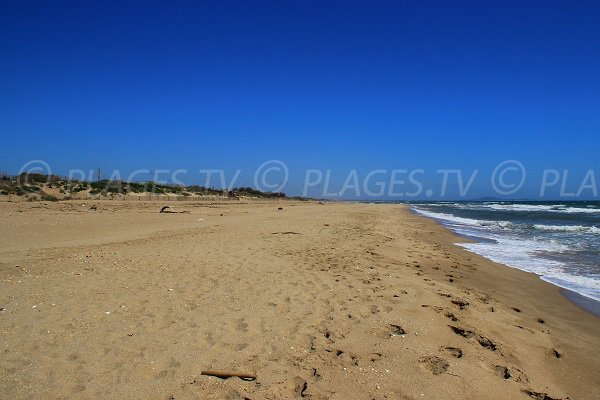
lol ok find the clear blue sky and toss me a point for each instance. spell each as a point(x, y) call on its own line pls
point(331, 85)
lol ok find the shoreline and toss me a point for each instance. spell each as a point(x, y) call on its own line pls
point(587, 304)
point(332, 300)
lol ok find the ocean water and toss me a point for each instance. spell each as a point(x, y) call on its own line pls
point(560, 242)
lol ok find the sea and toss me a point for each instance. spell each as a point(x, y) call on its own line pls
point(559, 241)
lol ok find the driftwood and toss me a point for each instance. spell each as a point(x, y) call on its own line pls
point(169, 210)
point(225, 375)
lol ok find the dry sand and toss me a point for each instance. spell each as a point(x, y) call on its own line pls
point(339, 301)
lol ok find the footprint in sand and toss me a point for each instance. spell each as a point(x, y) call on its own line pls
point(452, 351)
point(434, 364)
point(540, 395)
point(462, 304)
point(555, 353)
point(503, 372)
point(482, 340)
point(396, 330)
point(487, 343)
point(451, 316)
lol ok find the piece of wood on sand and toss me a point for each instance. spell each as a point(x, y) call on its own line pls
point(228, 374)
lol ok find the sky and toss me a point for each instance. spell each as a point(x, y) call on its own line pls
point(328, 86)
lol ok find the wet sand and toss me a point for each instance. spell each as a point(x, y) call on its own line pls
point(333, 300)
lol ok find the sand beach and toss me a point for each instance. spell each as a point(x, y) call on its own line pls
point(318, 300)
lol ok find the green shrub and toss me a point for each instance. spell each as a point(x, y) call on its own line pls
point(99, 184)
point(136, 187)
point(49, 197)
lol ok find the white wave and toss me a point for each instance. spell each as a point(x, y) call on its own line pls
point(584, 285)
point(527, 255)
point(498, 224)
point(554, 208)
point(464, 221)
point(524, 207)
point(519, 253)
point(568, 228)
point(449, 217)
point(579, 210)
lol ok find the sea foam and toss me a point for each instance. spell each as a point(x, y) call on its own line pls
point(550, 250)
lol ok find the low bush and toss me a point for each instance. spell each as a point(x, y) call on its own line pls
point(49, 197)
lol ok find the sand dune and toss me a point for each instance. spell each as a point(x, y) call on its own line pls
point(320, 301)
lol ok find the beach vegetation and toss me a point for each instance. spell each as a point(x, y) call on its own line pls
point(49, 197)
point(25, 184)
